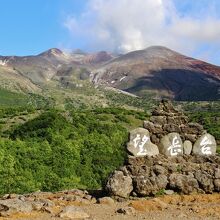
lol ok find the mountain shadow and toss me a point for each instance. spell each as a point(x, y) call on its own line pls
point(183, 85)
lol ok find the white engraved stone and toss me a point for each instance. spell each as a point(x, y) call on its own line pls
point(140, 143)
point(171, 145)
point(205, 145)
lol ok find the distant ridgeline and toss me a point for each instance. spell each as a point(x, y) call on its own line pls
point(168, 153)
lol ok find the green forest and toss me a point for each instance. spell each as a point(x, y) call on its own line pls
point(50, 150)
point(57, 150)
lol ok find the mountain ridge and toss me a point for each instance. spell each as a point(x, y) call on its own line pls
point(155, 72)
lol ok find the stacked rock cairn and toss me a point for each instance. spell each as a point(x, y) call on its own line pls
point(168, 153)
point(169, 132)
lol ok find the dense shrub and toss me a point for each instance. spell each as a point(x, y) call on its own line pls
point(51, 152)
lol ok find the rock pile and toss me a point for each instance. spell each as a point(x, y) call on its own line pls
point(169, 153)
point(166, 119)
point(169, 132)
point(151, 175)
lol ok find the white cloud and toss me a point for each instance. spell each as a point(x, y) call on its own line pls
point(126, 25)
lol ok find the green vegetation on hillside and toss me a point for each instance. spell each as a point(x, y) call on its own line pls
point(61, 150)
point(47, 149)
point(14, 100)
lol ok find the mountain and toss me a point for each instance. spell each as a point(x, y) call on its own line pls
point(43, 67)
point(156, 72)
point(160, 72)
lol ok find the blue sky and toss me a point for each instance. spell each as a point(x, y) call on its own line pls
point(32, 26)
point(191, 27)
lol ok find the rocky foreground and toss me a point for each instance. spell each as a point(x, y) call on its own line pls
point(77, 204)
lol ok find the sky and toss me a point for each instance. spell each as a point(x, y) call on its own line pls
point(191, 27)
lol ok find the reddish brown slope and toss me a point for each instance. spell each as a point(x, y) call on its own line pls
point(161, 72)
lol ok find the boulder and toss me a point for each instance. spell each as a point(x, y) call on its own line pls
point(140, 143)
point(190, 137)
point(205, 181)
point(187, 147)
point(195, 128)
point(183, 174)
point(205, 145)
point(153, 128)
point(106, 201)
point(12, 206)
point(171, 145)
point(217, 185)
point(126, 211)
point(119, 185)
point(217, 173)
point(146, 186)
point(171, 128)
point(158, 120)
point(72, 212)
point(183, 183)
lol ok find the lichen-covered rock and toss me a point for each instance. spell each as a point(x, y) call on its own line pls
point(140, 143)
point(205, 145)
point(171, 145)
point(119, 185)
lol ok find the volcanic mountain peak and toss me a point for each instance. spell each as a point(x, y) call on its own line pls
point(52, 52)
point(147, 55)
point(160, 51)
point(163, 72)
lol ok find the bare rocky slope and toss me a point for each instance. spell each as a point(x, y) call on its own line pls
point(161, 72)
point(155, 72)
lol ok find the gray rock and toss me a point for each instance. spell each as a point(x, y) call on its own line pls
point(171, 128)
point(13, 206)
point(119, 185)
point(126, 211)
point(46, 202)
point(205, 145)
point(171, 145)
point(146, 186)
point(183, 183)
point(158, 120)
point(72, 212)
point(153, 128)
point(187, 147)
point(190, 137)
point(217, 185)
point(37, 206)
point(155, 139)
point(140, 143)
point(217, 173)
point(183, 174)
point(195, 128)
point(168, 192)
point(106, 201)
point(205, 180)
point(160, 170)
